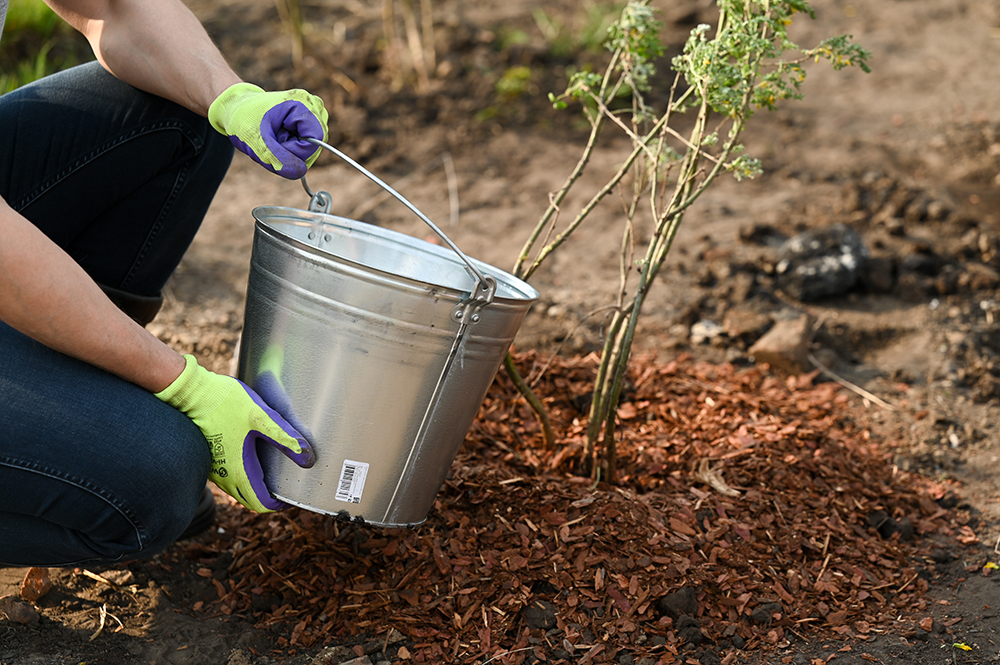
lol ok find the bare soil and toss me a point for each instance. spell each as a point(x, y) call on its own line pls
point(908, 156)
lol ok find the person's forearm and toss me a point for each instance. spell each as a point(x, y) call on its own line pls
point(48, 297)
point(156, 45)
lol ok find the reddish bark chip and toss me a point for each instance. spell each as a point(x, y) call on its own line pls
point(36, 584)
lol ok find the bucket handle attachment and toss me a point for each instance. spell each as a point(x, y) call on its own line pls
point(465, 312)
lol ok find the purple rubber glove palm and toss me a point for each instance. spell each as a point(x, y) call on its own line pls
point(234, 419)
point(272, 127)
point(267, 384)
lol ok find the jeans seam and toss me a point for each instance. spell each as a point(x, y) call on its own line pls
point(164, 125)
point(85, 485)
point(83, 160)
point(154, 229)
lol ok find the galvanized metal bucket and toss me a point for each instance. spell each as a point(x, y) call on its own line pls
point(379, 347)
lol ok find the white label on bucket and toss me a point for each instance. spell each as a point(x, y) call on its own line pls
point(352, 481)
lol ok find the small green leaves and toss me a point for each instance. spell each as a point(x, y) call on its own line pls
point(743, 66)
point(583, 83)
point(745, 167)
point(636, 37)
point(842, 53)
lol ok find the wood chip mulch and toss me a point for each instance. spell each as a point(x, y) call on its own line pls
point(749, 510)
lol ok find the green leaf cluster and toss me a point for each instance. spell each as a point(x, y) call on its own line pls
point(749, 62)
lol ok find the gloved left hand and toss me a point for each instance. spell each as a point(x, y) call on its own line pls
point(272, 127)
point(234, 419)
point(268, 385)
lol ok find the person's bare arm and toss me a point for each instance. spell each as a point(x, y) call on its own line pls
point(155, 45)
point(47, 296)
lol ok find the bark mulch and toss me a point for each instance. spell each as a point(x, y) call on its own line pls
point(749, 511)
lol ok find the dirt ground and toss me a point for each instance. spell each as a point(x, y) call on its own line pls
point(908, 156)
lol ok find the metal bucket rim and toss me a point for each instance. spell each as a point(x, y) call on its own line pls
point(525, 293)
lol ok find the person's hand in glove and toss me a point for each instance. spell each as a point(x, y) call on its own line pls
point(272, 127)
point(268, 385)
point(234, 419)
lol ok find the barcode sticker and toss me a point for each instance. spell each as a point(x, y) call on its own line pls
point(352, 481)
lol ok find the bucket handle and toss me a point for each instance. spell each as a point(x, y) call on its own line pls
point(486, 287)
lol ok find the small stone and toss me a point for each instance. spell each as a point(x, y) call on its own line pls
point(17, 610)
point(119, 577)
point(764, 614)
point(904, 527)
point(540, 614)
point(886, 525)
point(786, 345)
point(362, 660)
point(709, 658)
point(689, 630)
point(705, 331)
point(394, 637)
point(882, 522)
point(745, 324)
point(941, 556)
point(821, 263)
point(239, 657)
point(333, 655)
point(682, 601)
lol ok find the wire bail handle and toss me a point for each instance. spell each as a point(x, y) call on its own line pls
point(465, 312)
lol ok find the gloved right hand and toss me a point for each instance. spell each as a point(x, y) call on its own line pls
point(234, 419)
point(272, 127)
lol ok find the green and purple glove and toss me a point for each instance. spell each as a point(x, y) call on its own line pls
point(272, 127)
point(267, 384)
point(234, 419)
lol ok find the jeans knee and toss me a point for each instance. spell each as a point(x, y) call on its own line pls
point(169, 521)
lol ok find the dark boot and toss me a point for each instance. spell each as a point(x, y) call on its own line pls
point(204, 516)
point(142, 309)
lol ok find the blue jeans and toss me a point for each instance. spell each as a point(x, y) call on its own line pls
point(94, 469)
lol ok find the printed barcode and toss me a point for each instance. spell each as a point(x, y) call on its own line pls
point(352, 481)
point(345, 482)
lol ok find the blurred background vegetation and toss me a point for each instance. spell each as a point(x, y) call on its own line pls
point(36, 43)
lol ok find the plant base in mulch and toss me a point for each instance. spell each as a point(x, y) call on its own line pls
point(748, 511)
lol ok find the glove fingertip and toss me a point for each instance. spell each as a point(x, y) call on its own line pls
point(307, 458)
point(266, 501)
